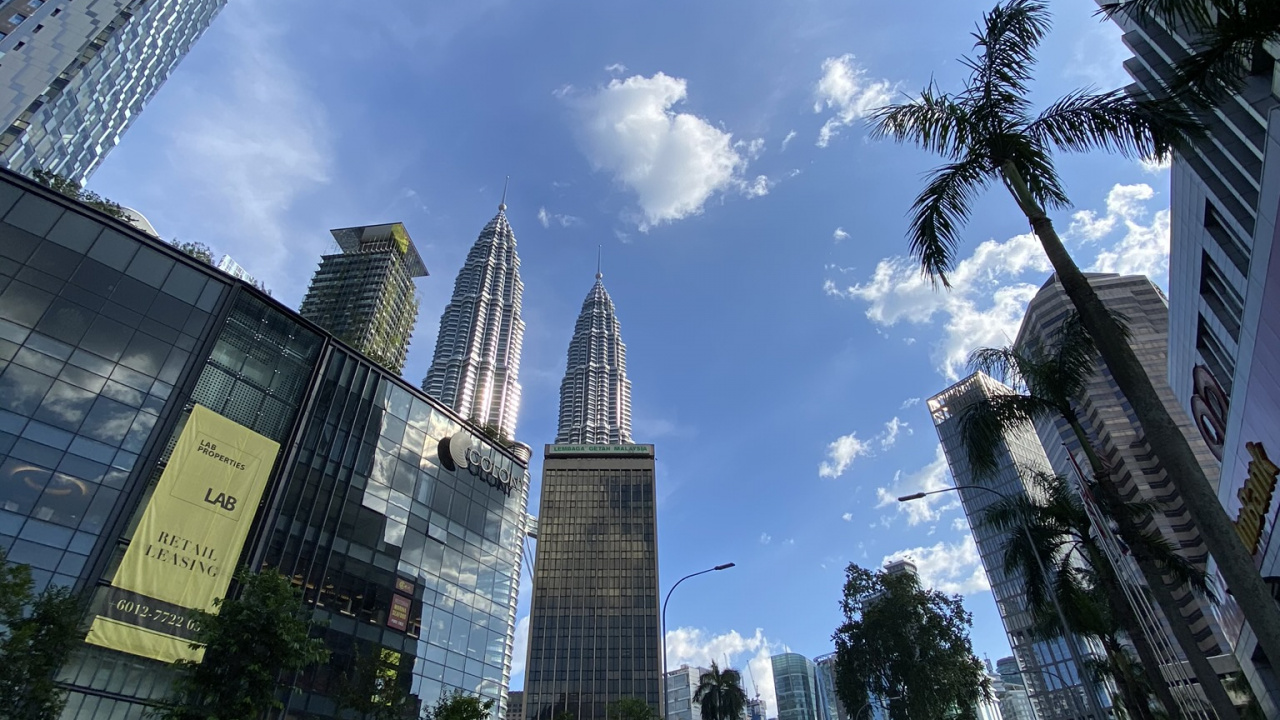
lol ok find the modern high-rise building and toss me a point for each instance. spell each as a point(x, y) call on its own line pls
point(795, 684)
point(1053, 679)
point(595, 395)
point(1108, 420)
point(75, 75)
point(681, 687)
point(829, 705)
point(755, 709)
point(365, 294)
point(127, 366)
point(476, 366)
point(594, 629)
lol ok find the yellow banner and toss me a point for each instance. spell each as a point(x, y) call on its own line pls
point(185, 549)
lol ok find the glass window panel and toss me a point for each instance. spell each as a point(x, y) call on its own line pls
point(12, 333)
point(96, 277)
point(72, 564)
point(55, 260)
point(82, 468)
point(40, 362)
point(64, 501)
point(21, 390)
point(107, 338)
point(34, 214)
point(65, 405)
point(82, 378)
point(92, 449)
point(132, 378)
point(20, 485)
point(45, 533)
point(26, 552)
point(108, 421)
point(9, 195)
point(24, 304)
point(209, 297)
point(145, 354)
point(74, 231)
point(49, 346)
point(99, 510)
point(150, 267)
point(47, 435)
point(123, 393)
point(139, 433)
point(113, 249)
point(170, 311)
point(34, 452)
point(65, 321)
point(185, 283)
point(134, 295)
point(16, 245)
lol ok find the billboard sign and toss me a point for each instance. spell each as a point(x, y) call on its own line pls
point(188, 541)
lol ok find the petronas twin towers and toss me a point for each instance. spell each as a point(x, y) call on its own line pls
point(476, 366)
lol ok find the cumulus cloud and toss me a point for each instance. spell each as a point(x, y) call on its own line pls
point(1144, 249)
point(839, 235)
point(697, 648)
point(948, 567)
point(548, 218)
point(757, 187)
point(847, 517)
point(673, 161)
point(845, 90)
point(1156, 167)
point(841, 453)
point(927, 479)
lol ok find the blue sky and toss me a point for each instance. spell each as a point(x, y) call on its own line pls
point(779, 345)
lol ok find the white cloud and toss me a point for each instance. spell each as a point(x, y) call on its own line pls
point(948, 567)
point(909, 402)
point(520, 646)
point(756, 188)
point(891, 431)
point(547, 218)
point(960, 524)
point(839, 235)
point(674, 162)
point(1144, 249)
point(1155, 167)
point(765, 538)
point(842, 452)
point(750, 149)
point(787, 140)
point(847, 517)
point(615, 68)
point(845, 89)
point(696, 648)
point(927, 479)
point(252, 150)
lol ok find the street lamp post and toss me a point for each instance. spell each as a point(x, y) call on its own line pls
point(662, 673)
point(1090, 696)
point(867, 704)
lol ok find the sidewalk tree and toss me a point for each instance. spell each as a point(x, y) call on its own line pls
point(38, 631)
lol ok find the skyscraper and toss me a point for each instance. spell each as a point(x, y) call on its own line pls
point(796, 685)
point(476, 366)
point(365, 294)
point(595, 396)
point(829, 705)
point(1053, 680)
point(594, 630)
point(75, 75)
point(1108, 419)
point(681, 686)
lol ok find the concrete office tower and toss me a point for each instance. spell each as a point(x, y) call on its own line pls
point(795, 684)
point(1223, 219)
point(755, 709)
point(829, 705)
point(1107, 418)
point(75, 75)
point(594, 632)
point(595, 396)
point(365, 294)
point(1053, 680)
point(681, 686)
point(476, 366)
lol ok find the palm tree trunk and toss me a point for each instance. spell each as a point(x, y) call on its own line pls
point(1135, 701)
point(1159, 430)
point(1200, 665)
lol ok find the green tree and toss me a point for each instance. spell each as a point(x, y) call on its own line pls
point(252, 640)
point(1228, 41)
point(459, 706)
point(73, 190)
point(1048, 378)
point(38, 631)
point(632, 708)
point(988, 135)
point(907, 644)
point(373, 688)
point(197, 250)
point(721, 694)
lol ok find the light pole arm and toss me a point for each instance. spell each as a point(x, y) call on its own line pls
point(662, 666)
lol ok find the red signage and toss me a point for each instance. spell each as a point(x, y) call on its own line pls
point(399, 615)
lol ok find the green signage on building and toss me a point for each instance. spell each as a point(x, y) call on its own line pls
point(646, 450)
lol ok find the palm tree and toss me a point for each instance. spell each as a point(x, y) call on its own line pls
point(1227, 38)
point(721, 694)
point(1050, 377)
point(1088, 589)
point(988, 135)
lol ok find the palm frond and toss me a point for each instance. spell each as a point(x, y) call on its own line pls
point(1003, 364)
point(1114, 122)
point(1006, 41)
point(1031, 158)
point(941, 210)
point(985, 423)
point(1223, 55)
point(934, 121)
point(1192, 12)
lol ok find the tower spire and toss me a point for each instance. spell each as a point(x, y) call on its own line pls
point(502, 206)
point(599, 252)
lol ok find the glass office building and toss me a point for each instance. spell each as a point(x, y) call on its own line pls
point(109, 339)
point(796, 685)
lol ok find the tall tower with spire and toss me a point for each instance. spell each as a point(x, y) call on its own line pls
point(595, 395)
point(476, 367)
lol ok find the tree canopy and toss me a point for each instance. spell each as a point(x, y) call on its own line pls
point(38, 631)
point(720, 693)
point(905, 647)
point(459, 706)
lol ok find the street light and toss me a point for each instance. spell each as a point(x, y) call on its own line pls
point(1090, 694)
point(663, 671)
point(867, 704)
